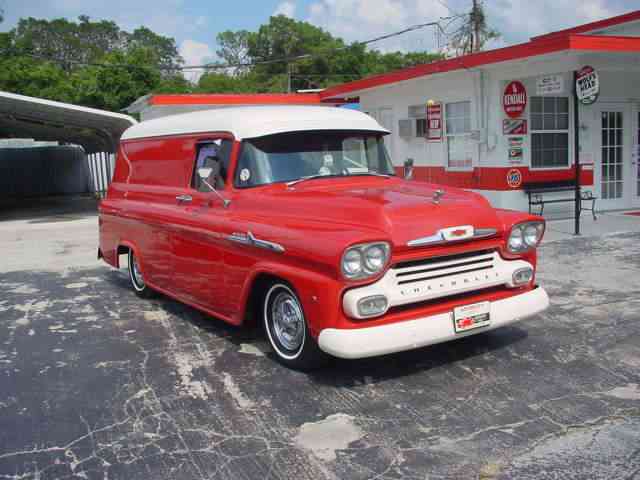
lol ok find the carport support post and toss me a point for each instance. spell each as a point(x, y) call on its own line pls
point(576, 151)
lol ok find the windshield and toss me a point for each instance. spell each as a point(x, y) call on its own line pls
point(287, 157)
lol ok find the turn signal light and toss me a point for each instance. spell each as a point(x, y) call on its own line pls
point(522, 276)
point(372, 306)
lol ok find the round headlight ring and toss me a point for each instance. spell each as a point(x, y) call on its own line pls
point(516, 239)
point(352, 264)
point(375, 257)
point(531, 234)
point(364, 260)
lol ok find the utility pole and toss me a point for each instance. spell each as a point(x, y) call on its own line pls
point(289, 71)
point(475, 20)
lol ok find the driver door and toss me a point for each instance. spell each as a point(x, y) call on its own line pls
point(198, 235)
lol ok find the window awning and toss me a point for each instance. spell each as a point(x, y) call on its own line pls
point(29, 117)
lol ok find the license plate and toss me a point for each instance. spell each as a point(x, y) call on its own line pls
point(472, 316)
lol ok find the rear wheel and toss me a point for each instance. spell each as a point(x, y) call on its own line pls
point(286, 328)
point(137, 279)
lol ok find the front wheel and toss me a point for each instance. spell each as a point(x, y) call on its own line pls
point(137, 279)
point(286, 328)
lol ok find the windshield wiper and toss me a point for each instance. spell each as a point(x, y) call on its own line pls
point(318, 175)
point(309, 177)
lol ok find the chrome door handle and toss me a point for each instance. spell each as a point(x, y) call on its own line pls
point(183, 198)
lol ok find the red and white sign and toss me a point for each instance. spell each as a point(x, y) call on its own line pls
point(434, 122)
point(514, 126)
point(587, 85)
point(514, 178)
point(514, 99)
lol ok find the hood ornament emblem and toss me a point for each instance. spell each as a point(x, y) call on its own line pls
point(437, 195)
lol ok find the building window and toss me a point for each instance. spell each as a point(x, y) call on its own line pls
point(549, 132)
point(458, 127)
point(419, 114)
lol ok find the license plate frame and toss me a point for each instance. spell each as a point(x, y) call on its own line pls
point(471, 317)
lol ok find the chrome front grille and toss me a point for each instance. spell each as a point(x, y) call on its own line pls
point(441, 267)
point(445, 275)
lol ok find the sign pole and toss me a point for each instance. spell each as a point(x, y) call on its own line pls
point(576, 149)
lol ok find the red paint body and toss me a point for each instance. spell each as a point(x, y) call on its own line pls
point(184, 252)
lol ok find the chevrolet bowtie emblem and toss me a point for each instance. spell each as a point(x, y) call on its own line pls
point(437, 195)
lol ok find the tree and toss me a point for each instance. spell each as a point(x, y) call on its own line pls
point(474, 33)
point(234, 49)
point(77, 43)
point(117, 87)
point(163, 49)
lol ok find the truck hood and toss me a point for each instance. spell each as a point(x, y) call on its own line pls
point(384, 208)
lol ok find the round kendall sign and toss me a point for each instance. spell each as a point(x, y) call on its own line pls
point(514, 178)
point(587, 85)
point(514, 99)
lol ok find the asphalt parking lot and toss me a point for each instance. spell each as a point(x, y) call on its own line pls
point(97, 383)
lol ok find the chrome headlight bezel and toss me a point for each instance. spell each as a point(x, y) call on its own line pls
point(520, 237)
point(367, 266)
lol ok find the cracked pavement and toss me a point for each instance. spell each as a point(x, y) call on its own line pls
point(97, 383)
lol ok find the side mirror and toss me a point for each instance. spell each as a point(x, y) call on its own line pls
point(408, 169)
point(204, 173)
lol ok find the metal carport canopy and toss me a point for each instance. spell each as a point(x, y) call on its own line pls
point(30, 117)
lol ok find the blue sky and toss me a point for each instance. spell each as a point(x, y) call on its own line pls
point(195, 23)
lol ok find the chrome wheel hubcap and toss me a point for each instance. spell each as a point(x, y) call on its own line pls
point(137, 274)
point(288, 321)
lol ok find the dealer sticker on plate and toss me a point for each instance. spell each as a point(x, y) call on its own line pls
point(472, 316)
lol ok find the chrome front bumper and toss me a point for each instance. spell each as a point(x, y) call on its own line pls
point(410, 334)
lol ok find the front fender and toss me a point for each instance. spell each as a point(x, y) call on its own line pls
point(319, 294)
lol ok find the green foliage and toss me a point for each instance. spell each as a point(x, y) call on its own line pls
point(234, 49)
point(96, 64)
point(70, 62)
point(330, 62)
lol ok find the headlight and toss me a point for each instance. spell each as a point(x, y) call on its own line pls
point(525, 236)
point(364, 260)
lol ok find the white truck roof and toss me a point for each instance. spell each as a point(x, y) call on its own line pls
point(252, 122)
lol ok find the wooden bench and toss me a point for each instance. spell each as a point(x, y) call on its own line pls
point(536, 192)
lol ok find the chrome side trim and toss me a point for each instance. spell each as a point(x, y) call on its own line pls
point(250, 240)
point(484, 232)
point(439, 238)
point(430, 240)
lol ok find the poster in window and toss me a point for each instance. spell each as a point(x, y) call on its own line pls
point(434, 122)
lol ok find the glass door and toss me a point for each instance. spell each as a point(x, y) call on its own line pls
point(614, 151)
point(635, 164)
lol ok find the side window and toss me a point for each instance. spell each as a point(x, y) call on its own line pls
point(216, 156)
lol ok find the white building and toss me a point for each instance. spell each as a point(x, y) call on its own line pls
point(499, 150)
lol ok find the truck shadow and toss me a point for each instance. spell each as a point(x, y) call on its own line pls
point(341, 372)
point(349, 373)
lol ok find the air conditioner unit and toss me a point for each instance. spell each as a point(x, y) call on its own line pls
point(407, 128)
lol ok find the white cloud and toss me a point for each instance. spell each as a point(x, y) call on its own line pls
point(286, 8)
point(517, 20)
point(195, 53)
point(363, 19)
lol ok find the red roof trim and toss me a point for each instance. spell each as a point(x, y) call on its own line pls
point(607, 43)
point(237, 99)
point(514, 52)
point(540, 46)
point(588, 27)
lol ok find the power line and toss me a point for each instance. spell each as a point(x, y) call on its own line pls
point(224, 66)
